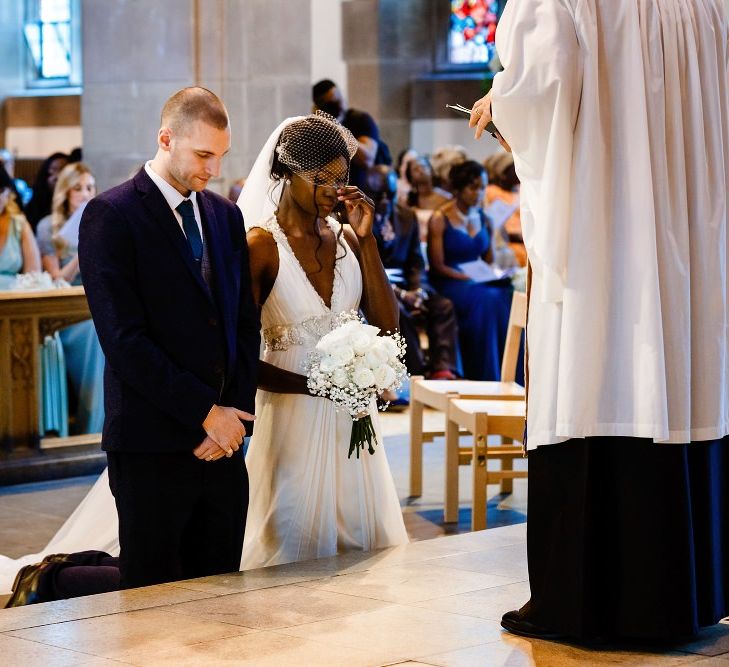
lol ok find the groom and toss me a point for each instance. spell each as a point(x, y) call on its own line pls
point(165, 267)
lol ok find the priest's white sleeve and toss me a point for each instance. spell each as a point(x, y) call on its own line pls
point(535, 102)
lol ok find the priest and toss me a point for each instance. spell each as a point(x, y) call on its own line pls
point(617, 114)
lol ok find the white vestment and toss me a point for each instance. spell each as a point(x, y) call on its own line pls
point(618, 116)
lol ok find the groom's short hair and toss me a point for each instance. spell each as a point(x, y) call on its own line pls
point(191, 104)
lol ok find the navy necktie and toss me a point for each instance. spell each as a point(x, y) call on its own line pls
point(189, 225)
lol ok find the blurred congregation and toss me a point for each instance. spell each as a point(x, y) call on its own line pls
point(78, 117)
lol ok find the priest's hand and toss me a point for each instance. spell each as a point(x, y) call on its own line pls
point(480, 114)
point(481, 117)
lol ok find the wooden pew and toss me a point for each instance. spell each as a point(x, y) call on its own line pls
point(25, 319)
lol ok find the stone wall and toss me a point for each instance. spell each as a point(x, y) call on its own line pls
point(393, 49)
point(255, 54)
point(386, 44)
point(11, 54)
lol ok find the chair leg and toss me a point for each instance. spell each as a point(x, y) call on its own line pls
point(450, 514)
point(507, 485)
point(479, 480)
point(416, 448)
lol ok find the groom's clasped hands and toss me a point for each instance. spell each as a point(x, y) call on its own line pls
point(225, 433)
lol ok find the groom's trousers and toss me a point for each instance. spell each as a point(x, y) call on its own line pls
point(179, 517)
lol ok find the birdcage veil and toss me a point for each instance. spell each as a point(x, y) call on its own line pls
point(317, 148)
point(305, 145)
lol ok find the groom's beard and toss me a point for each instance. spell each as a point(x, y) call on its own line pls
point(191, 182)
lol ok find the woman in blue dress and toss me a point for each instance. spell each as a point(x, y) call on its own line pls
point(459, 232)
point(18, 250)
point(83, 355)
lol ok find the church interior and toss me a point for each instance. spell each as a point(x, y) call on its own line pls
point(82, 83)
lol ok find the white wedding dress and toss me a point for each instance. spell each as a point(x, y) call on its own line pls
point(307, 499)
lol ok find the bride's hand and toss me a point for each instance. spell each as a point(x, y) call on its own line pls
point(360, 210)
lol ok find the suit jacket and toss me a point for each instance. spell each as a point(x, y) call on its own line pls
point(174, 345)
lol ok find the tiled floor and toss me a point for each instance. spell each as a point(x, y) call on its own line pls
point(428, 603)
point(433, 602)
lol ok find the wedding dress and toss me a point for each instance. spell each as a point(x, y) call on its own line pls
point(307, 499)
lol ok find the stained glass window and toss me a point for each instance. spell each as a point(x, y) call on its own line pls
point(472, 31)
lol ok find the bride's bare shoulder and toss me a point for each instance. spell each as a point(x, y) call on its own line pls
point(263, 260)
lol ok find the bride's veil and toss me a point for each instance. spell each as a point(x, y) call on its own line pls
point(260, 195)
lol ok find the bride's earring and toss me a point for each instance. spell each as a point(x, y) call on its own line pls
point(288, 181)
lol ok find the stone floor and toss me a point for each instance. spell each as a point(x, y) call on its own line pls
point(433, 602)
point(436, 601)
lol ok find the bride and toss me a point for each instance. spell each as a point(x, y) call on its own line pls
point(307, 499)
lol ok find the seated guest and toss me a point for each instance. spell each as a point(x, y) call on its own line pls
point(75, 186)
point(502, 197)
point(39, 205)
point(23, 191)
point(424, 197)
point(84, 358)
point(396, 232)
point(328, 98)
point(405, 157)
point(459, 232)
point(76, 154)
point(18, 249)
point(443, 160)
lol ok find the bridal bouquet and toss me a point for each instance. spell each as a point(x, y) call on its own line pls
point(350, 366)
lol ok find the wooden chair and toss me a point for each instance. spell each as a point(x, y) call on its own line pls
point(437, 394)
point(482, 419)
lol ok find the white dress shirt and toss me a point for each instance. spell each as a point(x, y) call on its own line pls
point(174, 198)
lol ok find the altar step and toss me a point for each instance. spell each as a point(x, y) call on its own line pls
point(74, 457)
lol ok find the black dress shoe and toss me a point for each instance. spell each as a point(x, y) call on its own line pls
point(27, 586)
point(516, 621)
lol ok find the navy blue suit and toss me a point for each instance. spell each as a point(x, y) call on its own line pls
point(174, 346)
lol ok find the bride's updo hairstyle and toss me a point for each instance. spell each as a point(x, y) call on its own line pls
point(309, 147)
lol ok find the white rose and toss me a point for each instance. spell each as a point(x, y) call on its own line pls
point(364, 377)
point(342, 355)
point(384, 377)
point(335, 338)
point(327, 364)
point(376, 356)
point(361, 342)
point(340, 377)
point(393, 351)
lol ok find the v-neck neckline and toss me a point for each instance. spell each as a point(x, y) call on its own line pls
point(284, 240)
